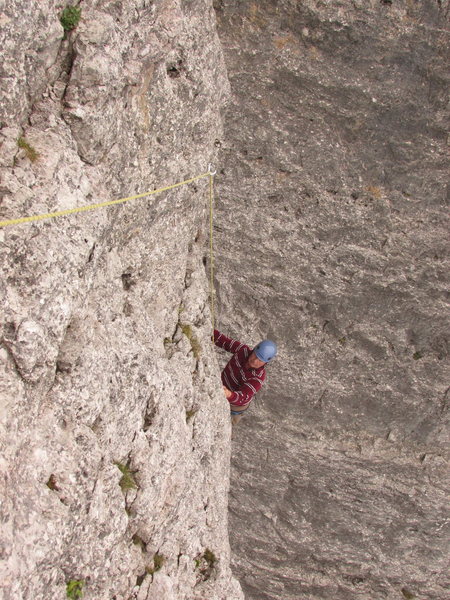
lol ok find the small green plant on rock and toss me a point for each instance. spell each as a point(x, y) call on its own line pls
point(70, 17)
point(158, 561)
point(204, 565)
point(74, 589)
point(210, 557)
point(30, 152)
point(127, 481)
point(190, 414)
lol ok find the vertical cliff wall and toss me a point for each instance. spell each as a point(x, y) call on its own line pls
point(333, 237)
point(114, 432)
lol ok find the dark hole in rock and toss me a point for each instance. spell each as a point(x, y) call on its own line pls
point(127, 281)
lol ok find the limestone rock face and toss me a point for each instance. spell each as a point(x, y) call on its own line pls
point(114, 430)
point(332, 239)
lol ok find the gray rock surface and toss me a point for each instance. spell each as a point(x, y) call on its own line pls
point(114, 431)
point(332, 238)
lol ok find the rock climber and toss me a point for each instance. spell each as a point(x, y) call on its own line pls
point(244, 373)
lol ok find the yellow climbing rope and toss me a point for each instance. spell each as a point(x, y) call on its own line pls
point(211, 246)
point(71, 211)
point(79, 209)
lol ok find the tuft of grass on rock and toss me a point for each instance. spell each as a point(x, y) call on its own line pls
point(190, 413)
point(158, 561)
point(70, 17)
point(74, 589)
point(204, 565)
point(127, 481)
point(30, 152)
point(210, 557)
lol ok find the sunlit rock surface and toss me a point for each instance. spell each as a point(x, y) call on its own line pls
point(115, 436)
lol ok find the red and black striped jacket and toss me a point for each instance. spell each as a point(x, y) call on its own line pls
point(244, 383)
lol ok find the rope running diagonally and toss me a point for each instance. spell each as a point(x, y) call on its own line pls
point(79, 209)
point(71, 211)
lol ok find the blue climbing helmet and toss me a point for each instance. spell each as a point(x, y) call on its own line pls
point(265, 350)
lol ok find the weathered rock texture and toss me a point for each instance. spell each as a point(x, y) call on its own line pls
point(332, 238)
point(106, 361)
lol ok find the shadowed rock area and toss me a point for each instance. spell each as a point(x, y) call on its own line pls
point(332, 239)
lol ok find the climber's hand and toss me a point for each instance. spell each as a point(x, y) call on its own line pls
point(227, 392)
